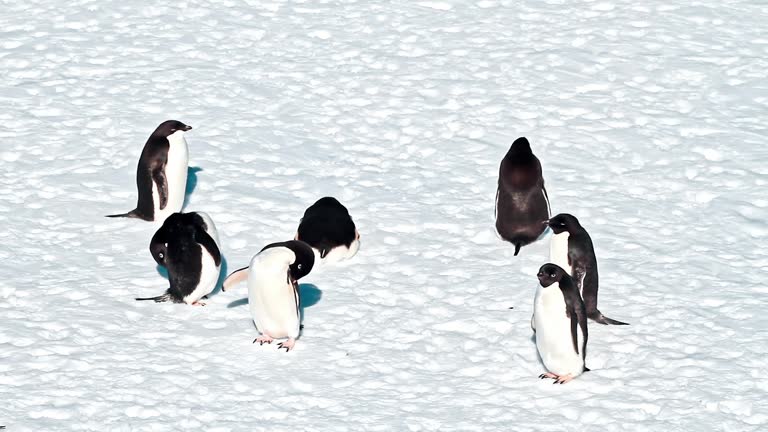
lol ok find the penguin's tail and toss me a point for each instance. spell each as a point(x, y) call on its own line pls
point(159, 299)
point(131, 214)
point(598, 316)
point(517, 248)
point(235, 278)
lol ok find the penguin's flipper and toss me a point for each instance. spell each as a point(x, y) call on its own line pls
point(234, 278)
point(209, 244)
point(575, 310)
point(159, 299)
point(158, 176)
point(574, 330)
point(517, 248)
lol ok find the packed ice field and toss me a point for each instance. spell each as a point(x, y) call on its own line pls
point(649, 122)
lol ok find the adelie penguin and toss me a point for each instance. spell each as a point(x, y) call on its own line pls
point(571, 248)
point(273, 290)
point(328, 228)
point(161, 176)
point(560, 325)
point(186, 245)
point(521, 199)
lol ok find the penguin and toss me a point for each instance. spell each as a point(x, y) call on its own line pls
point(161, 176)
point(521, 199)
point(571, 248)
point(187, 245)
point(560, 325)
point(328, 228)
point(273, 290)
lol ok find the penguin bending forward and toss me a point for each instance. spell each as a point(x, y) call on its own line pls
point(186, 245)
point(161, 176)
point(560, 325)
point(571, 248)
point(328, 228)
point(521, 199)
point(273, 290)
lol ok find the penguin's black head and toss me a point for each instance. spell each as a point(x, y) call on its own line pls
point(169, 127)
point(520, 148)
point(563, 222)
point(305, 259)
point(521, 144)
point(159, 251)
point(302, 264)
point(549, 274)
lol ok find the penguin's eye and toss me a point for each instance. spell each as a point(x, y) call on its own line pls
point(299, 267)
point(553, 275)
point(161, 255)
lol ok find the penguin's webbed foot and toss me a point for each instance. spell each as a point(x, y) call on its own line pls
point(548, 375)
point(563, 379)
point(197, 303)
point(263, 339)
point(288, 345)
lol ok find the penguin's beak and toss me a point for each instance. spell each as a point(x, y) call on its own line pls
point(546, 222)
point(186, 128)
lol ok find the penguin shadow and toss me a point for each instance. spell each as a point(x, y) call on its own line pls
point(309, 295)
point(191, 183)
point(223, 272)
point(163, 272)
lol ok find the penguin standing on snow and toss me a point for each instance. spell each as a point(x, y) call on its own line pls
point(273, 290)
point(560, 325)
point(186, 245)
point(571, 248)
point(161, 177)
point(328, 228)
point(521, 200)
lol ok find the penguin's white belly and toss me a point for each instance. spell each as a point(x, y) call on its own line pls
point(209, 275)
point(340, 253)
point(175, 175)
point(553, 333)
point(558, 251)
point(272, 300)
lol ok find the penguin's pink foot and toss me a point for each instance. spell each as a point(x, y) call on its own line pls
point(563, 379)
point(548, 375)
point(288, 345)
point(198, 303)
point(263, 339)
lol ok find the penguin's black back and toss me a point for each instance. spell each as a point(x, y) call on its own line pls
point(521, 201)
point(180, 240)
point(326, 224)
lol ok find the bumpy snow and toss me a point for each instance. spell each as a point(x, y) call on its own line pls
point(650, 122)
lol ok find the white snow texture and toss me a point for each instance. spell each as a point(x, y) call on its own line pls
point(649, 119)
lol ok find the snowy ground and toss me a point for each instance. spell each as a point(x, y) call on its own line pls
point(649, 120)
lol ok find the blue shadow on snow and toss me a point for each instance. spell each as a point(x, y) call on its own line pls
point(191, 183)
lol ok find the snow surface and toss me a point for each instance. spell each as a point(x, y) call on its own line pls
point(650, 122)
